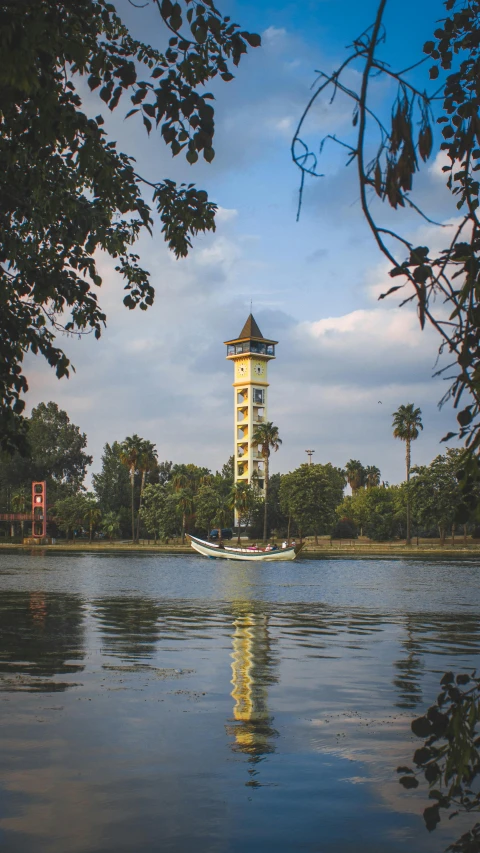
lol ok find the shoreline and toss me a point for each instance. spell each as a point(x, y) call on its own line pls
point(309, 552)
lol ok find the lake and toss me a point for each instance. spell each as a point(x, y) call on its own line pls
point(158, 703)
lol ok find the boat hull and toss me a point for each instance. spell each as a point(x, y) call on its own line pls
point(208, 549)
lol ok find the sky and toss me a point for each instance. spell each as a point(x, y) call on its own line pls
point(345, 361)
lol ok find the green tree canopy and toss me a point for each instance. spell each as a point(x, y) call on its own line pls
point(66, 191)
point(310, 495)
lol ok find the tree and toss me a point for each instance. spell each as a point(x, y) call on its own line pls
point(67, 191)
point(407, 423)
point(435, 492)
point(373, 476)
point(147, 461)
point(57, 447)
point(310, 495)
point(356, 475)
point(131, 449)
point(372, 510)
point(112, 485)
point(244, 500)
point(388, 154)
point(55, 452)
point(69, 514)
point(267, 438)
point(111, 524)
point(186, 480)
point(92, 513)
point(207, 502)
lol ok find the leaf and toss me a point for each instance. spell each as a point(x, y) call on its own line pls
point(391, 290)
point(422, 755)
point(192, 156)
point(253, 39)
point(408, 782)
point(421, 727)
point(434, 72)
point(431, 816)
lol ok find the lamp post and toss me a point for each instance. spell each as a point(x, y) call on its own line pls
point(309, 454)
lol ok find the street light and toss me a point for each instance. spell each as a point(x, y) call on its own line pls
point(309, 454)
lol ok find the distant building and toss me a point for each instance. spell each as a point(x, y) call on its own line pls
point(250, 353)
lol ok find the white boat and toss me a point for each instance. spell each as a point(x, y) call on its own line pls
point(228, 552)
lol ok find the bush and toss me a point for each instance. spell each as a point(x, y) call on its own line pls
point(344, 529)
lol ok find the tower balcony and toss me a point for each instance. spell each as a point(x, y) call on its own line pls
point(251, 347)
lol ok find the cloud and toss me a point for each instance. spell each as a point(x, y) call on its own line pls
point(273, 35)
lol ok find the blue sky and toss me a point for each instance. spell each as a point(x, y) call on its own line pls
point(314, 284)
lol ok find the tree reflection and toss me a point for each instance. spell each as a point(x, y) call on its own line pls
point(40, 634)
point(253, 666)
point(129, 626)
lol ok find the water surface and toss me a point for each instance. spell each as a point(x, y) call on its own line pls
point(162, 703)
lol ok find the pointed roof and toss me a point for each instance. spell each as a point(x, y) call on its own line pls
point(249, 332)
point(250, 329)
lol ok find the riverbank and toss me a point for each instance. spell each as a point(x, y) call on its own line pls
point(324, 550)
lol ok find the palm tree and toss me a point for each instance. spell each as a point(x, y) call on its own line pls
point(355, 475)
point(266, 437)
point(372, 476)
point(186, 504)
point(19, 504)
point(241, 500)
point(92, 514)
point(130, 451)
point(147, 461)
point(111, 524)
point(407, 422)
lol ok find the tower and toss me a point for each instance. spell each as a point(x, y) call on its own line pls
point(250, 353)
point(39, 510)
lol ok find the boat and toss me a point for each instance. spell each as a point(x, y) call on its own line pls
point(228, 552)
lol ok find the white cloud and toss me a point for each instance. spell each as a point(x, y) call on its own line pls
point(272, 35)
point(224, 214)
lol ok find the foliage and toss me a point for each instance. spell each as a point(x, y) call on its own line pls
point(407, 423)
point(345, 528)
point(387, 155)
point(111, 524)
point(310, 495)
point(356, 475)
point(435, 492)
point(112, 486)
point(159, 511)
point(55, 453)
point(449, 759)
point(69, 514)
point(207, 505)
point(373, 476)
point(92, 513)
point(66, 190)
point(266, 437)
point(373, 511)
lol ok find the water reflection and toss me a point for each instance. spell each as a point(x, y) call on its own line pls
point(431, 634)
point(41, 636)
point(253, 670)
point(128, 626)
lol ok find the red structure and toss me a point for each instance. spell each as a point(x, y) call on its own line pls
point(39, 510)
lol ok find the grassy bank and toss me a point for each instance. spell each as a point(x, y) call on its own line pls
point(324, 549)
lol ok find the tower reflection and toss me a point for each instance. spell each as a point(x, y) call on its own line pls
point(253, 670)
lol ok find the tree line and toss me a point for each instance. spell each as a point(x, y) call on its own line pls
point(135, 495)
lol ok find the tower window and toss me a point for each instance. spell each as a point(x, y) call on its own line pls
point(270, 349)
point(258, 396)
point(230, 349)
